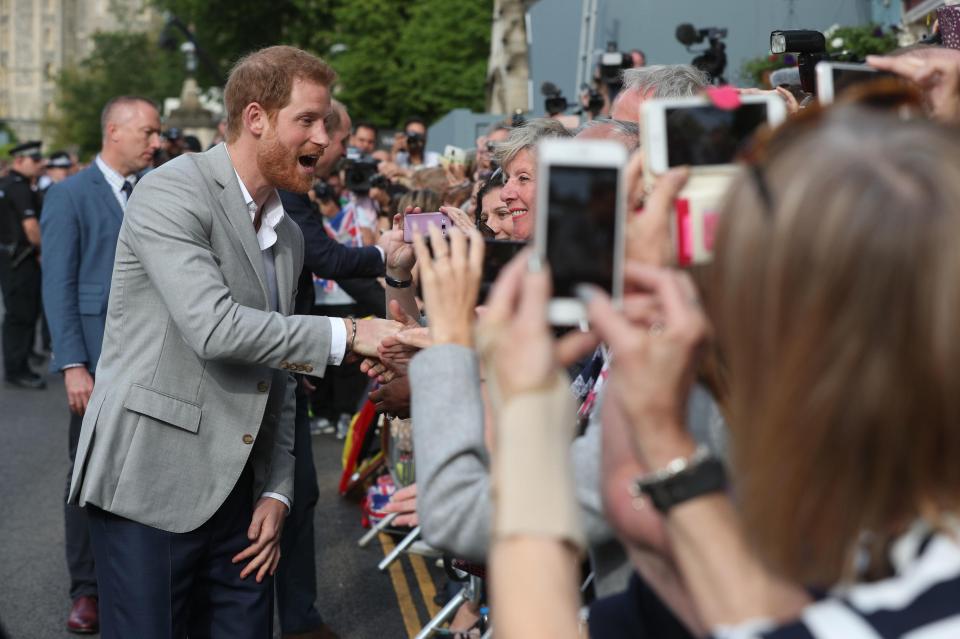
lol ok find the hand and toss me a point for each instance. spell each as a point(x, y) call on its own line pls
point(370, 332)
point(450, 282)
point(79, 385)
point(393, 398)
point(404, 501)
point(264, 532)
point(515, 332)
point(460, 219)
point(399, 258)
point(375, 369)
point(654, 355)
point(396, 355)
point(648, 232)
point(790, 100)
point(937, 74)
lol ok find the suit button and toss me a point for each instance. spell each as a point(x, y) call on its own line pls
point(308, 368)
point(248, 439)
point(263, 387)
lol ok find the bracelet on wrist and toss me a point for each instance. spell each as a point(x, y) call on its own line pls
point(394, 283)
point(353, 327)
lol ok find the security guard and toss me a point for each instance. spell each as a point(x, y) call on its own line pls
point(20, 264)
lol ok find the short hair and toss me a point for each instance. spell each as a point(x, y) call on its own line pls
point(109, 109)
point(497, 126)
point(414, 119)
point(629, 131)
point(337, 116)
point(266, 77)
point(665, 80)
point(366, 124)
point(528, 135)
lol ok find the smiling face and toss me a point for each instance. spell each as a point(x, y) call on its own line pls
point(519, 193)
point(294, 138)
point(497, 215)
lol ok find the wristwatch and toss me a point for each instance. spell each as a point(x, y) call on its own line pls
point(682, 479)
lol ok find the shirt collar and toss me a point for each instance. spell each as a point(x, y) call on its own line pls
point(114, 179)
point(272, 214)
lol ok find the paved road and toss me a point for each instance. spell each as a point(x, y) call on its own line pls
point(357, 600)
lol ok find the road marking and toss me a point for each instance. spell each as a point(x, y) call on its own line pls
point(427, 589)
point(408, 610)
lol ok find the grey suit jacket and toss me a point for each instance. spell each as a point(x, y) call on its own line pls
point(188, 387)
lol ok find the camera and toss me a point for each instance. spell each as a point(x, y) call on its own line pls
point(323, 192)
point(359, 170)
point(594, 101)
point(554, 103)
point(810, 47)
point(713, 59)
point(416, 140)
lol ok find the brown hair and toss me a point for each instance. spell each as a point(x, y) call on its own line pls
point(836, 307)
point(266, 77)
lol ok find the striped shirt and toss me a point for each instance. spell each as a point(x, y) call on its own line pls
point(921, 600)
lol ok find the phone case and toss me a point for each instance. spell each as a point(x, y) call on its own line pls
point(948, 19)
point(421, 222)
point(697, 213)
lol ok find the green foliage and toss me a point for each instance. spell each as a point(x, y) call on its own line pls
point(443, 53)
point(856, 43)
point(757, 69)
point(120, 64)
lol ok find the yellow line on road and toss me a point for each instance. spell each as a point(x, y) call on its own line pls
point(411, 620)
point(427, 589)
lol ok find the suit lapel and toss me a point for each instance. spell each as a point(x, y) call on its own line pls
point(106, 193)
point(283, 258)
point(235, 210)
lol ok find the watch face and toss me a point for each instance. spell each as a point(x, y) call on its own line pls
point(699, 477)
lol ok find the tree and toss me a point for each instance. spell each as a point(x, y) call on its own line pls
point(443, 53)
point(120, 64)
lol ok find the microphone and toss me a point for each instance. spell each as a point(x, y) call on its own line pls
point(687, 34)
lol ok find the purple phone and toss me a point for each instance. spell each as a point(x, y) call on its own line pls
point(422, 221)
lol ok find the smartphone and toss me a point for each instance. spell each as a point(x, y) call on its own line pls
point(833, 78)
point(497, 254)
point(422, 221)
point(454, 155)
point(694, 132)
point(581, 224)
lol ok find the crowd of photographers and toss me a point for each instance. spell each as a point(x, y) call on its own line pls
point(761, 446)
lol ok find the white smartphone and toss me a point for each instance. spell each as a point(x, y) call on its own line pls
point(694, 132)
point(833, 78)
point(581, 223)
point(454, 155)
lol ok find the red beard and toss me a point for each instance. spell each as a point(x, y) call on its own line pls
point(281, 167)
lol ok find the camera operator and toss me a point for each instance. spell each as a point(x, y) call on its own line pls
point(496, 133)
point(657, 81)
point(410, 147)
point(364, 138)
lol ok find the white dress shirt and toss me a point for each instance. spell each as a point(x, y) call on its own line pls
point(115, 180)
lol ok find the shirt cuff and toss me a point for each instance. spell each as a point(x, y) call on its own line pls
point(383, 256)
point(338, 341)
point(73, 365)
point(283, 500)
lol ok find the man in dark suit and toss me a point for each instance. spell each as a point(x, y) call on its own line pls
point(80, 224)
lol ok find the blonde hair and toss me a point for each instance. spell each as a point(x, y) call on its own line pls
point(836, 301)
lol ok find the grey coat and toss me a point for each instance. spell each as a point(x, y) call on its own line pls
point(453, 477)
point(189, 386)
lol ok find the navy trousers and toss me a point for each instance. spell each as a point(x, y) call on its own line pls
point(83, 578)
point(297, 572)
point(155, 584)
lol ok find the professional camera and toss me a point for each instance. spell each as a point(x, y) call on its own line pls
point(613, 62)
point(324, 192)
point(593, 100)
point(810, 47)
point(415, 141)
point(713, 59)
point(359, 169)
point(555, 103)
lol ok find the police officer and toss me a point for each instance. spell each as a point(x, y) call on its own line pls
point(19, 263)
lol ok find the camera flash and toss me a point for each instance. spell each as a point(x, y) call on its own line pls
point(778, 42)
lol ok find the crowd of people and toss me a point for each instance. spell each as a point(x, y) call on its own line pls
point(755, 447)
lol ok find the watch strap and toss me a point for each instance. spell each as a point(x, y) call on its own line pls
point(702, 476)
point(393, 283)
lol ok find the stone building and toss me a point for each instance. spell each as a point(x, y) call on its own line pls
point(38, 38)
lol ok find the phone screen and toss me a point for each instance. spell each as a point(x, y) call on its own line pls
point(581, 228)
point(843, 79)
point(706, 135)
point(496, 256)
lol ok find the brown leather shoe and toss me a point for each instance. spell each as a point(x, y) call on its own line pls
point(323, 632)
point(84, 617)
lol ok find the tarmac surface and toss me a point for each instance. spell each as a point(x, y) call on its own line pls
point(356, 600)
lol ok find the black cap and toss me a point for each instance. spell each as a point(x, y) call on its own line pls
point(59, 160)
point(173, 133)
point(27, 149)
